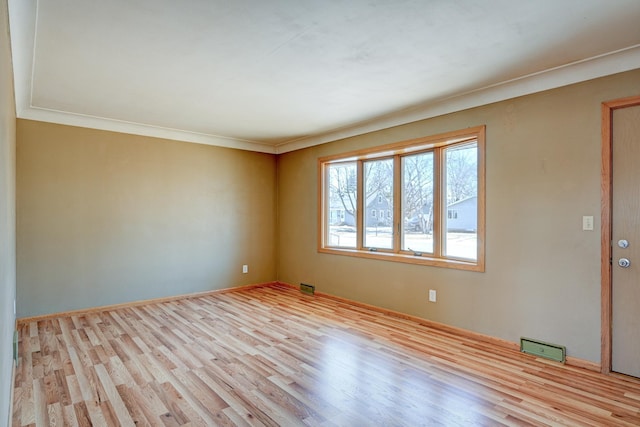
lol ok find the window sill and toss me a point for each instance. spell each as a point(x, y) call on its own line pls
point(457, 264)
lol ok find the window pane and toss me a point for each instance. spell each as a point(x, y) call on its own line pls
point(378, 198)
point(417, 202)
point(461, 218)
point(341, 206)
point(420, 197)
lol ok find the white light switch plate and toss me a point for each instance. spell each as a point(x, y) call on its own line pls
point(587, 223)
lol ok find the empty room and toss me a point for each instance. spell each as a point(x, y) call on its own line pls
point(319, 213)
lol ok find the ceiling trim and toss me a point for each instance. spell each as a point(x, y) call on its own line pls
point(23, 15)
point(70, 119)
point(603, 65)
point(22, 26)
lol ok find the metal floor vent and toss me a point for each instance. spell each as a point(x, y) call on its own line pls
point(543, 349)
point(307, 289)
point(15, 346)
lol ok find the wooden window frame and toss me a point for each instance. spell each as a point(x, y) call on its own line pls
point(435, 143)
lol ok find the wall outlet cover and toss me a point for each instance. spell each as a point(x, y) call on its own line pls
point(432, 295)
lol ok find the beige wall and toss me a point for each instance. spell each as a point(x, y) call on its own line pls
point(7, 216)
point(542, 276)
point(106, 218)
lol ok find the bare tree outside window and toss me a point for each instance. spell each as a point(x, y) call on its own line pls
point(462, 172)
point(461, 164)
point(343, 192)
point(378, 197)
point(417, 202)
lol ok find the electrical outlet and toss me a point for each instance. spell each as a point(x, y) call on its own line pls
point(245, 268)
point(432, 295)
point(587, 223)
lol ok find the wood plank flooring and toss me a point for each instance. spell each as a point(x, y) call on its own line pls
point(272, 356)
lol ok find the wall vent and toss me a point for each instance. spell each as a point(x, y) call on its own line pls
point(307, 289)
point(15, 346)
point(543, 349)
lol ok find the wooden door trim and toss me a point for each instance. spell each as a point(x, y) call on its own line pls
point(605, 229)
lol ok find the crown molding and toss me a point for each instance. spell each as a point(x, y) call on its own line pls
point(603, 65)
point(23, 18)
point(23, 15)
point(70, 119)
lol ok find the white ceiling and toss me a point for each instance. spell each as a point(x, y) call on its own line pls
point(278, 75)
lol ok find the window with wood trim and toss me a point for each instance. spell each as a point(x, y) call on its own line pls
point(432, 189)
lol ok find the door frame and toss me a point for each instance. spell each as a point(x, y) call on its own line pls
point(605, 229)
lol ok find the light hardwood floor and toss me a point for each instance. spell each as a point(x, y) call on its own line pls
point(272, 356)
